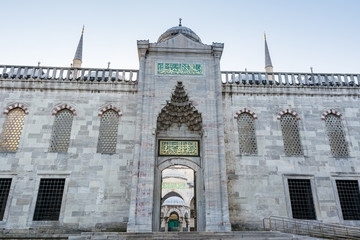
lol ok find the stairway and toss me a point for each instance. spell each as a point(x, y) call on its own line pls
point(241, 235)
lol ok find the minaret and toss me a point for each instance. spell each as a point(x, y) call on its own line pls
point(78, 55)
point(268, 64)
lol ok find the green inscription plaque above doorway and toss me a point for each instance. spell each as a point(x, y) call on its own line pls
point(179, 148)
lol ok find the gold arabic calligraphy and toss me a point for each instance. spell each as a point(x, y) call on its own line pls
point(179, 148)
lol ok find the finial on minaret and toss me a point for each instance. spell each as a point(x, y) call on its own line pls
point(268, 64)
point(83, 29)
point(180, 22)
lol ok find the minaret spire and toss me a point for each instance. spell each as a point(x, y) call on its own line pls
point(268, 64)
point(77, 61)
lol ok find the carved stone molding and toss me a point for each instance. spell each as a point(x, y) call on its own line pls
point(179, 110)
point(245, 110)
point(289, 112)
point(331, 111)
point(16, 105)
point(64, 106)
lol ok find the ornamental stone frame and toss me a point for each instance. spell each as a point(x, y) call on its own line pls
point(205, 92)
point(16, 105)
point(199, 192)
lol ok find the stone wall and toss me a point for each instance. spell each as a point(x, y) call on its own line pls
point(258, 183)
point(97, 187)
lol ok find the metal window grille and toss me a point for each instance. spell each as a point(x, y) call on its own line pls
point(48, 203)
point(5, 184)
point(349, 197)
point(335, 131)
point(60, 137)
point(247, 137)
point(108, 132)
point(12, 130)
point(291, 136)
point(302, 204)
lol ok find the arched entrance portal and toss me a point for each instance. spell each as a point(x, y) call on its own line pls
point(176, 195)
point(179, 193)
point(178, 145)
point(173, 225)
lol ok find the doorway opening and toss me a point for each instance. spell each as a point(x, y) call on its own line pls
point(178, 212)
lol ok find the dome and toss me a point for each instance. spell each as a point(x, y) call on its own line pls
point(174, 201)
point(179, 29)
point(172, 173)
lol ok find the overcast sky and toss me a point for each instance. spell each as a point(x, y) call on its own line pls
point(324, 34)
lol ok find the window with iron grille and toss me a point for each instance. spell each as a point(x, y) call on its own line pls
point(108, 132)
point(12, 130)
point(60, 137)
point(247, 137)
point(48, 203)
point(349, 197)
point(335, 131)
point(301, 198)
point(5, 184)
point(291, 136)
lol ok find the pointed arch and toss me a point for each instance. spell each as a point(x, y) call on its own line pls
point(246, 131)
point(12, 129)
point(336, 134)
point(171, 194)
point(331, 111)
point(108, 131)
point(245, 110)
point(61, 132)
point(287, 111)
point(62, 106)
point(290, 132)
point(16, 105)
point(173, 210)
point(107, 107)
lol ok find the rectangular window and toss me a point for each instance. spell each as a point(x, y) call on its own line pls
point(349, 197)
point(5, 184)
point(302, 203)
point(48, 203)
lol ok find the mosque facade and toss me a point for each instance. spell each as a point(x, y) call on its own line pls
point(176, 145)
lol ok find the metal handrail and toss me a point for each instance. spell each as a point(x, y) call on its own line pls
point(311, 228)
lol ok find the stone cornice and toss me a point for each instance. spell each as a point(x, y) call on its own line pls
point(55, 85)
point(291, 90)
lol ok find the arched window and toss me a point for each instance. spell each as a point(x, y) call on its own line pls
point(108, 132)
point(60, 137)
point(335, 131)
point(247, 137)
point(291, 136)
point(12, 130)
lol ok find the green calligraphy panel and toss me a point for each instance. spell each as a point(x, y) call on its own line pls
point(180, 68)
point(178, 148)
point(170, 185)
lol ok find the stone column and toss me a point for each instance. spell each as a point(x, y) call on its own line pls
point(141, 200)
point(166, 224)
point(217, 211)
point(181, 224)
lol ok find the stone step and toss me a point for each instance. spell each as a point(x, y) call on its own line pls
point(241, 235)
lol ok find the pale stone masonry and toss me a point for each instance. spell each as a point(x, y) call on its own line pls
point(122, 191)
